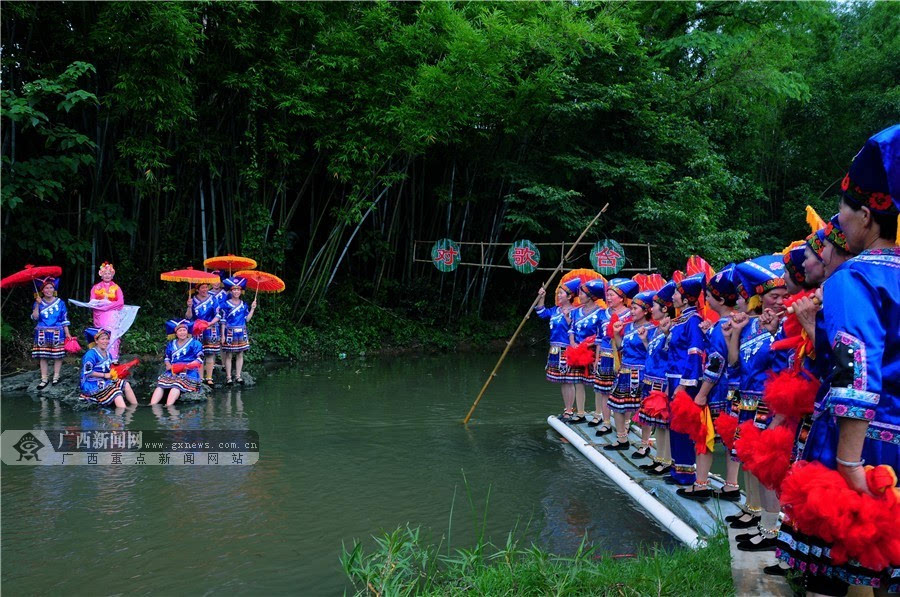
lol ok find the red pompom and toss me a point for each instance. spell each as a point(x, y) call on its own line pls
point(72, 346)
point(859, 526)
point(688, 418)
point(581, 355)
point(199, 327)
point(791, 394)
point(656, 405)
point(726, 425)
point(766, 454)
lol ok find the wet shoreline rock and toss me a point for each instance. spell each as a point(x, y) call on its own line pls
point(142, 380)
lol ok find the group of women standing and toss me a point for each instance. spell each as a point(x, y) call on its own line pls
point(802, 345)
point(215, 321)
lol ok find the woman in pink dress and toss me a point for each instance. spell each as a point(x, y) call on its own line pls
point(106, 315)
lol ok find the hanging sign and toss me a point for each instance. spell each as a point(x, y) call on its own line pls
point(608, 257)
point(445, 255)
point(524, 256)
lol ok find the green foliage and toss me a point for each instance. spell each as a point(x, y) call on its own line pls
point(404, 563)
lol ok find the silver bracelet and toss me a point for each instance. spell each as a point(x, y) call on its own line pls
point(850, 464)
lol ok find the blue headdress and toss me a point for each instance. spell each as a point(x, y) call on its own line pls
point(624, 287)
point(234, 281)
point(644, 300)
point(692, 286)
point(664, 295)
point(90, 334)
point(173, 324)
point(722, 286)
point(595, 288)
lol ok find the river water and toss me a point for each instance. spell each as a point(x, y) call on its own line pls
point(347, 449)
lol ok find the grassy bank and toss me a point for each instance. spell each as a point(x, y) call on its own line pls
point(403, 564)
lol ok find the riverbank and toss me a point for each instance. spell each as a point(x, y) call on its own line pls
point(403, 563)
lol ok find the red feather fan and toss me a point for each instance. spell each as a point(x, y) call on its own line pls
point(656, 405)
point(677, 276)
point(182, 367)
point(199, 327)
point(124, 370)
point(581, 355)
point(766, 454)
point(791, 393)
point(726, 425)
point(649, 282)
point(698, 265)
point(687, 418)
point(859, 526)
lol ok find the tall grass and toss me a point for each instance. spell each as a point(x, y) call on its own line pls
point(404, 563)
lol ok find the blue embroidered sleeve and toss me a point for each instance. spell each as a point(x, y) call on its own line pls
point(63, 315)
point(168, 358)
point(718, 354)
point(543, 312)
point(857, 335)
point(693, 367)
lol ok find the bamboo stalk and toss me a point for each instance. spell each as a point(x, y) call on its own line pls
point(509, 343)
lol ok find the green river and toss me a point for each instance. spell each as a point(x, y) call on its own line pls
point(347, 449)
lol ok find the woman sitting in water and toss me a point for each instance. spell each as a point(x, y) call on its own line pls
point(99, 383)
point(184, 358)
point(52, 329)
point(204, 306)
point(236, 338)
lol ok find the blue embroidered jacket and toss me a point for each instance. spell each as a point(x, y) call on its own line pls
point(91, 362)
point(207, 310)
point(52, 314)
point(755, 360)
point(686, 344)
point(235, 315)
point(717, 363)
point(583, 326)
point(559, 325)
point(657, 356)
point(191, 351)
point(634, 353)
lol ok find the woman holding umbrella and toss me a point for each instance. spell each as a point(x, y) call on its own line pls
point(236, 339)
point(206, 307)
point(52, 329)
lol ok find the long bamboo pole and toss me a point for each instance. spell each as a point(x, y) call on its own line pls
point(509, 343)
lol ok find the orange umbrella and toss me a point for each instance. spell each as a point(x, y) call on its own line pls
point(261, 281)
point(189, 275)
point(230, 262)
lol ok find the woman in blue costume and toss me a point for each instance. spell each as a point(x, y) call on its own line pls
point(204, 306)
point(587, 321)
point(618, 298)
point(750, 361)
point(627, 393)
point(99, 383)
point(184, 359)
point(857, 422)
point(236, 338)
point(52, 329)
point(655, 367)
point(687, 344)
point(721, 296)
point(559, 317)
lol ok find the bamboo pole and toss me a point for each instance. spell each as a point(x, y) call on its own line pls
point(509, 343)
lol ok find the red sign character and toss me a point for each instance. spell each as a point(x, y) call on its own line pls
point(607, 257)
point(523, 255)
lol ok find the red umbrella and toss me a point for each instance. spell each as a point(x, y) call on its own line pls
point(30, 273)
point(261, 281)
point(230, 262)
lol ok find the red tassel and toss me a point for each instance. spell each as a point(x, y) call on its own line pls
point(859, 526)
point(726, 425)
point(610, 332)
point(791, 394)
point(766, 454)
point(656, 405)
point(687, 418)
point(581, 355)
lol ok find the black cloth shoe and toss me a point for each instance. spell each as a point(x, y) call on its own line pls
point(228, 382)
point(698, 495)
point(603, 430)
point(730, 496)
point(44, 383)
point(672, 481)
point(764, 545)
point(745, 537)
point(643, 452)
point(740, 524)
point(617, 447)
point(648, 467)
point(660, 471)
point(776, 570)
point(576, 419)
point(733, 517)
point(594, 422)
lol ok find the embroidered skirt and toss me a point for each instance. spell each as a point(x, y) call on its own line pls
point(627, 394)
point(108, 394)
point(649, 384)
point(49, 343)
point(210, 340)
point(235, 339)
point(168, 381)
point(606, 373)
point(557, 369)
